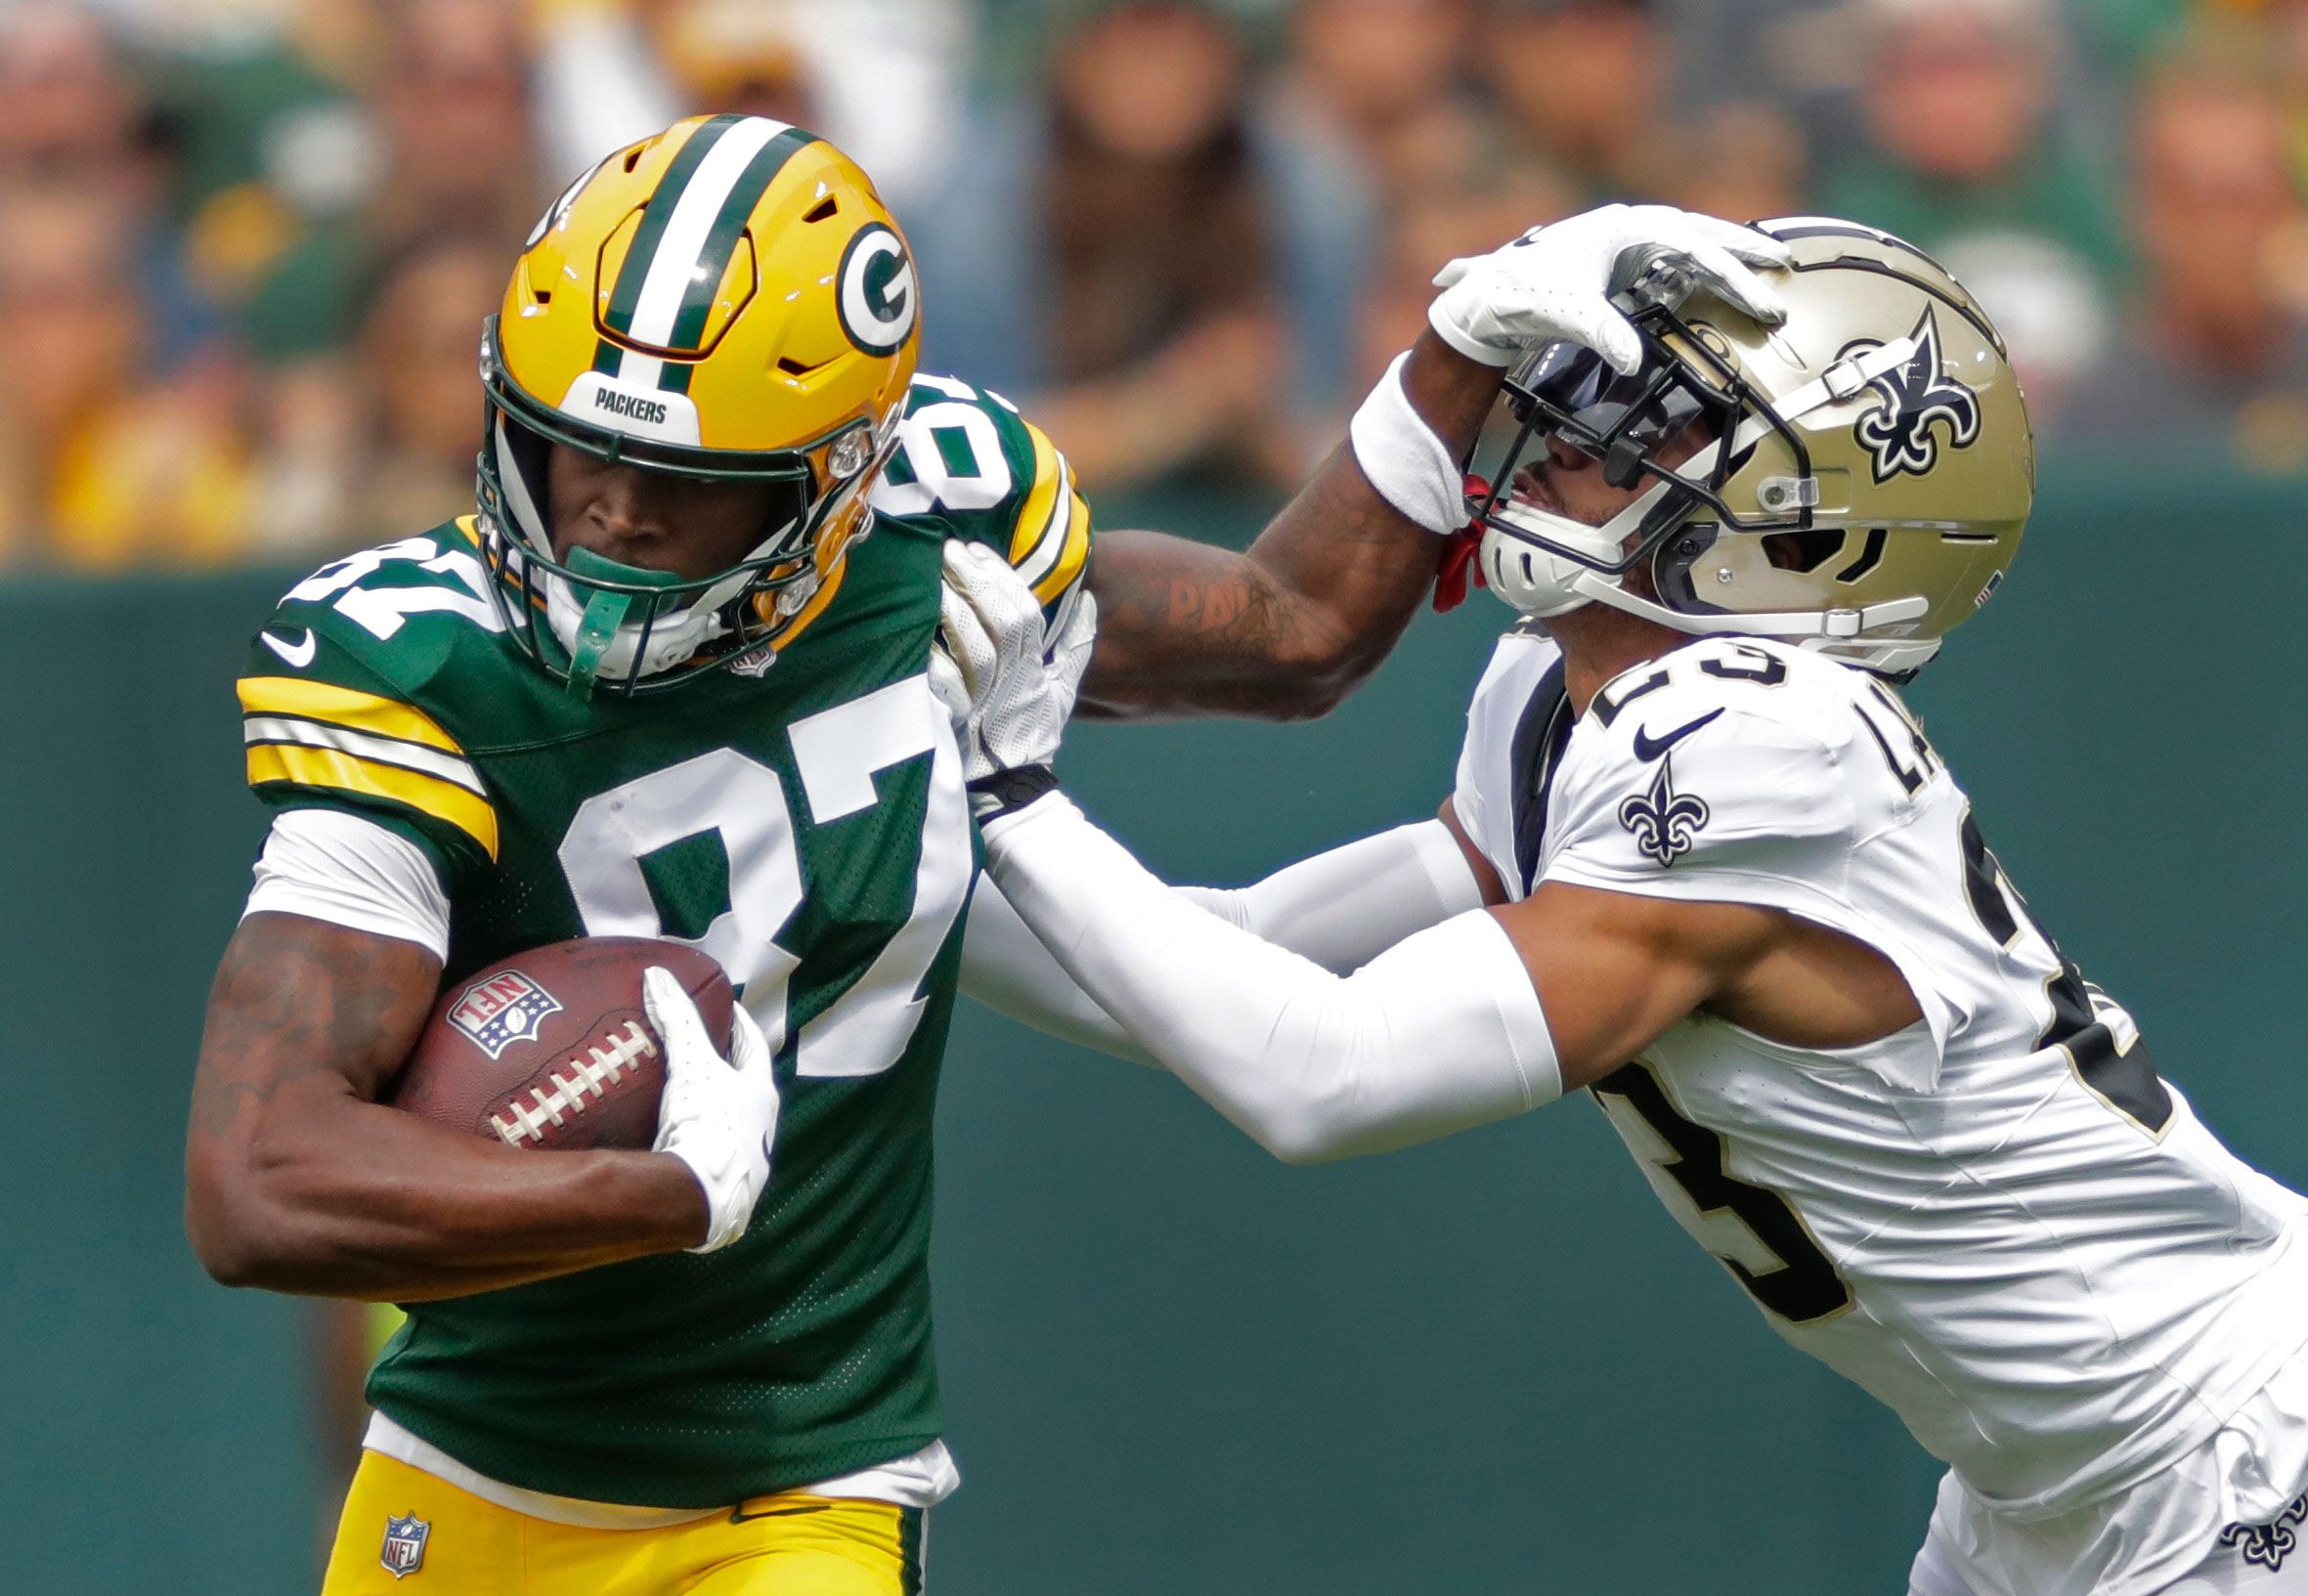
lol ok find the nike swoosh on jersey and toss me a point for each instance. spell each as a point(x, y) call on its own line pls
point(1648, 746)
point(298, 654)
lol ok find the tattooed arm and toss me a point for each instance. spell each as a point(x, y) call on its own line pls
point(297, 1180)
point(1289, 628)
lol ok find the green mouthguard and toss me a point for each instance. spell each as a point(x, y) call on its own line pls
point(605, 612)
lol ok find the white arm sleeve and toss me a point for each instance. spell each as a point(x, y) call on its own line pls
point(328, 864)
point(1439, 1033)
point(1344, 908)
point(1006, 967)
point(1340, 909)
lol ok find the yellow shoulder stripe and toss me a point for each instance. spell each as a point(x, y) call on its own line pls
point(1052, 537)
point(1072, 552)
point(444, 801)
point(1034, 516)
point(343, 707)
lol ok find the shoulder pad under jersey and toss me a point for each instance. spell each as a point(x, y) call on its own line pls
point(350, 698)
point(968, 460)
point(1728, 756)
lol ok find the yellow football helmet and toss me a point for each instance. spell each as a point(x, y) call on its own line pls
point(728, 299)
point(1870, 473)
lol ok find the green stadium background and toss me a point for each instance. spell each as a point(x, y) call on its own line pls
point(1490, 1364)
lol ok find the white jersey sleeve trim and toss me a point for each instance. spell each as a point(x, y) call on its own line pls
point(333, 866)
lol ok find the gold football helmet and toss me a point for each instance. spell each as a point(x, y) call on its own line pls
point(1869, 472)
point(728, 299)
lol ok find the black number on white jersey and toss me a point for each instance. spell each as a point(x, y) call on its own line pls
point(1806, 1287)
point(2127, 1080)
point(1904, 729)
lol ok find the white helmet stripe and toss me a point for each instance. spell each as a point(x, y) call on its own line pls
point(679, 247)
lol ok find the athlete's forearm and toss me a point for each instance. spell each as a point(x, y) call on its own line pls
point(1290, 628)
point(356, 1200)
point(296, 1181)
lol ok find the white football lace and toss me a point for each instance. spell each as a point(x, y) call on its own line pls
point(566, 1095)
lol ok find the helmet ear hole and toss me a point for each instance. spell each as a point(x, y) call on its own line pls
point(1803, 551)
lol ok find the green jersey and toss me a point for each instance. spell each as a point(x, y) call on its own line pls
point(807, 825)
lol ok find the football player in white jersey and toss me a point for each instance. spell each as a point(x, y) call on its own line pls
point(1701, 862)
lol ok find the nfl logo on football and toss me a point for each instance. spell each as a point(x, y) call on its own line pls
point(502, 1009)
point(404, 1544)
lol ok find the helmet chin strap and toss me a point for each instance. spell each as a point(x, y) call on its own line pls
point(1543, 584)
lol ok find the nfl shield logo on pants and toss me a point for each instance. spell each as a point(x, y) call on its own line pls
point(404, 1545)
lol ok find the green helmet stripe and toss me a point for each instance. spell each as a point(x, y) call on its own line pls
point(721, 242)
point(657, 215)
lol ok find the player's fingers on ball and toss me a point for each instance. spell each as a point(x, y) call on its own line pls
point(671, 1012)
point(749, 1049)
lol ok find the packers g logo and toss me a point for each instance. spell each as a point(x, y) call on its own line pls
point(1915, 396)
point(874, 290)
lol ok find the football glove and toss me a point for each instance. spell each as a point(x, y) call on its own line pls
point(1009, 688)
point(1555, 283)
point(719, 1117)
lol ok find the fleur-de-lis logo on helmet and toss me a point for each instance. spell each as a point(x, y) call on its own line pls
point(1916, 398)
point(1662, 820)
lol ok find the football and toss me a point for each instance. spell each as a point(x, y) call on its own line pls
point(552, 1048)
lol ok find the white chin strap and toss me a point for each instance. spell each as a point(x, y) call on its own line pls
point(1543, 584)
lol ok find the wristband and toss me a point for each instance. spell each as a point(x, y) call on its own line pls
point(1005, 791)
point(1412, 468)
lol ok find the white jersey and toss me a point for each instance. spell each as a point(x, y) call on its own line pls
point(1998, 1220)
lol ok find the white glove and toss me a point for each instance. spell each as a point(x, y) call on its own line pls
point(1556, 282)
point(719, 1117)
point(1010, 689)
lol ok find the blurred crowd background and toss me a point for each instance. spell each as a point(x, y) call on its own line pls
point(245, 244)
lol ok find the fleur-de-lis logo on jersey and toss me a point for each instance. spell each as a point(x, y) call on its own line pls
point(2268, 1544)
point(1662, 820)
point(1917, 397)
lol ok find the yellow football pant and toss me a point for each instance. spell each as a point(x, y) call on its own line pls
point(787, 1545)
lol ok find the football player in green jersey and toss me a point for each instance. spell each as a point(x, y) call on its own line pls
point(664, 683)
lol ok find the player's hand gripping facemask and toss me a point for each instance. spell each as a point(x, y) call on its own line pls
point(1879, 437)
